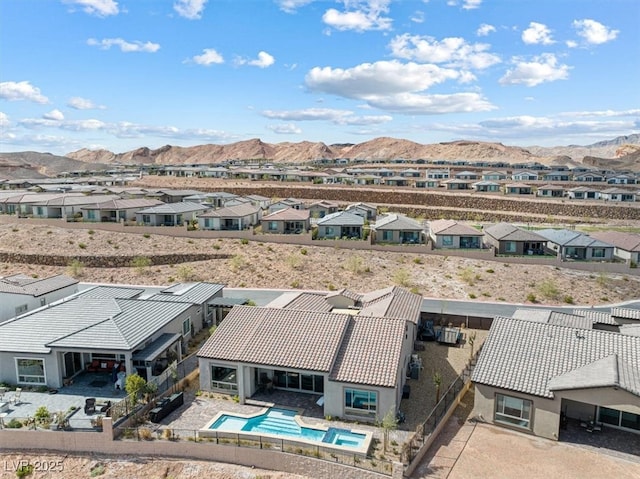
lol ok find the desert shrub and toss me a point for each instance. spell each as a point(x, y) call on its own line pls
point(91, 232)
point(186, 273)
point(145, 433)
point(568, 299)
point(244, 241)
point(146, 235)
point(548, 289)
point(468, 276)
point(418, 260)
point(532, 298)
point(216, 246)
point(141, 264)
point(82, 245)
point(303, 251)
point(75, 268)
point(472, 296)
point(237, 262)
point(294, 261)
point(490, 271)
point(98, 470)
point(402, 277)
point(13, 424)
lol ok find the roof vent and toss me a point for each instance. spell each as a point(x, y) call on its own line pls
point(579, 335)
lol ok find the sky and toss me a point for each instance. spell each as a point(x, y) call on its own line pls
point(125, 74)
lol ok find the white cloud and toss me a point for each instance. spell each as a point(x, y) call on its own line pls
point(100, 8)
point(485, 29)
point(544, 68)
point(364, 15)
point(377, 79)
point(55, 115)
point(452, 51)
point(338, 117)
point(285, 129)
point(466, 4)
point(190, 9)
point(571, 43)
point(78, 103)
point(264, 60)
point(417, 17)
point(209, 57)
point(14, 91)
point(125, 46)
point(417, 104)
point(290, 6)
point(69, 125)
point(603, 113)
point(593, 32)
point(537, 33)
point(4, 120)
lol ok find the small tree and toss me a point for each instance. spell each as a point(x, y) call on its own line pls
point(389, 423)
point(134, 385)
point(472, 340)
point(437, 382)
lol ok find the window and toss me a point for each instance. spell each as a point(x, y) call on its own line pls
point(272, 226)
point(328, 231)
point(43, 301)
point(186, 327)
point(91, 214)
point(510, 246)
point(513, 411)
point(598, 252)
point(619, 418)
point(224, 378)
point(30, 371)
point(207, 223)
point(357, 401)
point(299, 382)
point(21, 309)
point(447, 240)
point(146, 219)
point(387, 235)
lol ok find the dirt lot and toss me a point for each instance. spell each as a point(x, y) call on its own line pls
point(262, 265)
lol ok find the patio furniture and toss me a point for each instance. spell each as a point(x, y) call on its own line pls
point(15, 400)
point(165, 407)
point(3, 390)
point(90, 405)
point(4, 406)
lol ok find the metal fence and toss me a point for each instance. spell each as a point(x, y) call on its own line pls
point(146, 433)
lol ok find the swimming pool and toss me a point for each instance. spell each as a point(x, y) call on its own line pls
point(285, 423)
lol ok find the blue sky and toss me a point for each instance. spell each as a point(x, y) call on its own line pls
point(130, 73)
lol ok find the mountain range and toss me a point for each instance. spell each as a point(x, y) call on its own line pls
point(620, 153)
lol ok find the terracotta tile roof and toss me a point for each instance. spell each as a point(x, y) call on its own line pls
point(624, 241)
point(287, 214)
point(452, 227)
point(237, 211)
point(392, 302)
point(370, 353)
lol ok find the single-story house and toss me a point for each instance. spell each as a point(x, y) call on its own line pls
point(397, 228)
point(517, 189)
point(509, 239)
point(533, 376)
point(525, 176)
point(368, 179)
point(588, 176)
point(217, 199)
point(583, 193)
point(427, 184)
point(486, 186)
point(170, 195)
point(622, 179)
point(467, 175)
point(411, 173)
point(451, 234)
point(396, 181)
point(286, 221)
point(170, 214)
point(286, 203)
point(116, 210)
point(341, 224)
point(570, 244)
point(322, 208)
point(357, 362)
point(239, 217)
point(494, 175)
point(626, 245)
point(51, 345)
point(436, 174)
point(557, 175)
point(457, 184)
point(259, 200)
point(550, 191)
point(20, 293)
point(617, 194)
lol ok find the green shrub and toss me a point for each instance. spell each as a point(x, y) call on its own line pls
point(13, 424)
point(568, 299)
point(303, 251)
point(146, 235)
point(244, 241)
point(82, 245)
point(532, 298)
point(472, 296)
point(490, 270)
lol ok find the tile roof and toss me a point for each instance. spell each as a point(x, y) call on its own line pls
point(392, 302)
point(625, 313)
point(396, 221)
point(194, 293)
point(278, 337)
point(123, 204)
point(452, 227)
point(630, 329)
point(624, 241)
point(173, 208)
point(355, 297)
point(106, 292)
point(524, 356)
point(237, 211)
point(564, 237)
point(553, 317)
point(341, 218)
point(309, 302)
point(509, 232)
point(598, 317)
point(370, 352)
point(27, 285)
point(287, 214)
point(88, 323)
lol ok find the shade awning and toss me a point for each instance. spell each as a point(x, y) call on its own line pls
point(157, 347)
point(227, 302)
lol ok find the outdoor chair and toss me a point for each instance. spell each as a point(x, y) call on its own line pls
point(90, 405)
point(15, 400)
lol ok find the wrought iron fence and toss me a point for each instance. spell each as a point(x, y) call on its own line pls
point(146, 433)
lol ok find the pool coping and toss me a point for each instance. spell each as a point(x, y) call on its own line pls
point(362, 450)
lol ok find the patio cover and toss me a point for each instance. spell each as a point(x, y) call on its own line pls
point(157, 347)
point(227, 302)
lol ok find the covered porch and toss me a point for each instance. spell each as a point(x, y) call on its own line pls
point(152, 361)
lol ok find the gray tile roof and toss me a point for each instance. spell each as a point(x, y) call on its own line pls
point(565, 237)
point(88, 323)
point(370, 352)
point(553, 317)
point(194, 293)
point(107, 292)
point(309, 302)
point(287, 214)
point(598, 317)
point(173, 208)
point(630, 329)
point(509, 232)
point(396, 221)
point(524, 356)
point(341, 218)
point(355, 297)
point(27, 285)
point(123, 204)
point(625, 313)
point(278, 337)
point(238, 211)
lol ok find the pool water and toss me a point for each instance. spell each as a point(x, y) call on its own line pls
point(281, 422)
